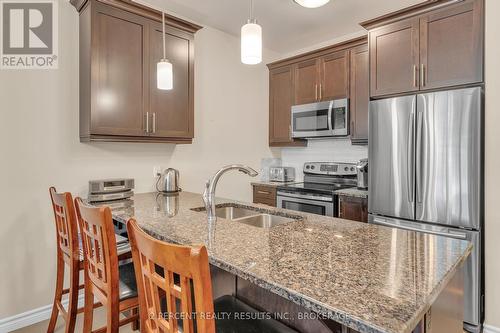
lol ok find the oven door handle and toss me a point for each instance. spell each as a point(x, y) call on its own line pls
point(305, 196)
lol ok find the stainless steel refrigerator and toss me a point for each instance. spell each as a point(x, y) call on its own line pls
point(426, 174)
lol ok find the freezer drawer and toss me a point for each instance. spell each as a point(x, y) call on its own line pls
point(391, 157)
point(449, 158)
point(473, 290)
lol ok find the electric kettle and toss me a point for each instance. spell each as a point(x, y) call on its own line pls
point(168, 182)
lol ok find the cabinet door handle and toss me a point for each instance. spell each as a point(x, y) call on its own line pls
point(320, 91)
point(154, 122)
point(263, 192)
point(147, 122)
point(422, 75)
point(352, 128)
point(290, 132)
point(415, 76)
point(316, 92)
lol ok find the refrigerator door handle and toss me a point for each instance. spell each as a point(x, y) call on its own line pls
point(410, 157)
point(419, 150)
point(451, 234)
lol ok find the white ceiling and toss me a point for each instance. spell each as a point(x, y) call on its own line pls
point(286, 26)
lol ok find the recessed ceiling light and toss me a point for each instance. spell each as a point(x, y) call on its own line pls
point(312, 3)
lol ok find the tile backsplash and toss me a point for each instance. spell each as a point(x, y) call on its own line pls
point(322, 150)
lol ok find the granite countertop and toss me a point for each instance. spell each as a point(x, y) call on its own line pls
point(367, 277)
point(353, 192)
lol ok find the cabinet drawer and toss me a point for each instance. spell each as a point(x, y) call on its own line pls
point(264, 195)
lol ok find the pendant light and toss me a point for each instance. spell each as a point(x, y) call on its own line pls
point(312, 3)
point(164, 71)
point(251, 40)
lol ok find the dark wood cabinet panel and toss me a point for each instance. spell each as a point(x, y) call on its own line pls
point(353, 208)
point(306, 82)
point(264, 195)
point(120, 44)
point(320, 75)
point(451, 46)
point(334, 71)
point(280, 104)
point(118, 95)
point(440, 46)
point(171, 111)
point(360, 95)
point(394, 58)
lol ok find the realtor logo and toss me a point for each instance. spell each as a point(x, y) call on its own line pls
point(29, 34)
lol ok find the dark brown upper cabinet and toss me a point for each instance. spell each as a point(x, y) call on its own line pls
point(320, 75)
point(167, 121)
point(432, 45)
point(120, 44)
point(394, 58)
point(307, 82)
point(280, 103)
point(117, 90)
point(334, 72)
point(451, 46)
point(360, 94)
point(322, 79)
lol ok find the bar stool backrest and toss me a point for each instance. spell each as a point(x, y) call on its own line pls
point(174, 284)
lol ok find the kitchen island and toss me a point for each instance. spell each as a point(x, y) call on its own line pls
point(365, 277)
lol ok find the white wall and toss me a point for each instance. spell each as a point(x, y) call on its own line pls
point(40, 147)
point(322, 150)
point(492, 157)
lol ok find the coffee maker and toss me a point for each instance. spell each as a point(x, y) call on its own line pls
point(362, 168)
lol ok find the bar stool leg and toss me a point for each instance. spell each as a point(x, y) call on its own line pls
point(58, 293)
point(73, 297)
point(88, 313)
point(135, 323)
point(113, 317)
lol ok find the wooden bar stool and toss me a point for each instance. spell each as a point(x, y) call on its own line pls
point(68, 253)
point(112, 284)
point(175, 291)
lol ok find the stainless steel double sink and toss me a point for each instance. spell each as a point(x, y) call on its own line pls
point(251, 217)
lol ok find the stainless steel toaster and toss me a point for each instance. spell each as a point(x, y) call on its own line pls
point(282, 174)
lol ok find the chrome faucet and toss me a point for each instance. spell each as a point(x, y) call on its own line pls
point(211, 184)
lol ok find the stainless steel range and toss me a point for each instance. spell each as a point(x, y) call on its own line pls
point(317, 193)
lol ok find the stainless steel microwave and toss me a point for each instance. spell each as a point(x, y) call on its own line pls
point(322, 119)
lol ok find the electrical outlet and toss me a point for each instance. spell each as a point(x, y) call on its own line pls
point(157, 171)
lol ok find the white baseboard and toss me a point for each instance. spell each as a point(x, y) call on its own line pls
point(491, 329)
point(31, 317)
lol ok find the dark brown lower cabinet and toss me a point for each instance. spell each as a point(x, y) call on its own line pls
point(120, 45)
point(353, 208)
point(264, 195)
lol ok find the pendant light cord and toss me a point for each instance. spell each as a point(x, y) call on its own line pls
point(163, 23)
point(251, 9)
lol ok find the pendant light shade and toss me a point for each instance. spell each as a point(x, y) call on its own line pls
point(164, 75)
point(164, 70)
point(251, 43)
point(312, 3)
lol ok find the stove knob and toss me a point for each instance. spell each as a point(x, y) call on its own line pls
point(312, 167)
point(307, 167)
point(346, 169)
point(352, 168)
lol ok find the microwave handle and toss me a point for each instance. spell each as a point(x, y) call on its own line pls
point(330, 118)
